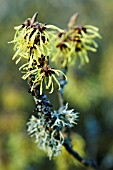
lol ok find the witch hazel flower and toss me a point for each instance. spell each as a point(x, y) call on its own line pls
point(32, 42)
point(33, 39)
point(43, 75)
point(75, 43)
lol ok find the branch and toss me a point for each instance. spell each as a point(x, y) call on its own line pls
point(62, 82)
point(87, 163)
point(67, 143)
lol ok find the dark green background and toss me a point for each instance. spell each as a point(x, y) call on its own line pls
point(89, 89)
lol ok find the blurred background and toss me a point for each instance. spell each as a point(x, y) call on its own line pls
point(89, 89)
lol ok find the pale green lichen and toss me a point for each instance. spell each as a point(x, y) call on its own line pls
point(49, 134)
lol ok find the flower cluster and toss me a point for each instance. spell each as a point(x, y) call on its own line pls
point(43, 73)
point(32, 39)
point(48, 125)
point(75, 42)
point(32, 42)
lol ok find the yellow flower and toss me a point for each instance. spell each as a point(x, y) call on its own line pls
point(44, 75)
point(76, 42)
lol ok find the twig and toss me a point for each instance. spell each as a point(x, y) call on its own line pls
point(87, 163)
point(67, 143)
point(62, 82)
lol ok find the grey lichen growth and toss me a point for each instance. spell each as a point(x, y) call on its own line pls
point(48, 129)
